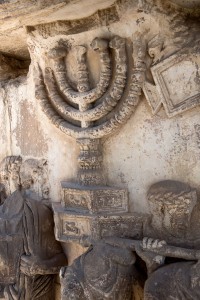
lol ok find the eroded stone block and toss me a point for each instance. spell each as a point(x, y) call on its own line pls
point(94, 199)
point(75, 226)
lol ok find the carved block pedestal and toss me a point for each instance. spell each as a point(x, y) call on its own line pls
point(94, 212)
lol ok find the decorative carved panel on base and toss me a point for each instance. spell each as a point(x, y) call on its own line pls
point(94, 199)
point(77, 226)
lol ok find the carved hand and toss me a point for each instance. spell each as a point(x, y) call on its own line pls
point(152, 260)
point(149, 244)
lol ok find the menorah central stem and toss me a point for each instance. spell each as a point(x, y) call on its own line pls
point(83, 81)
point(90, 162)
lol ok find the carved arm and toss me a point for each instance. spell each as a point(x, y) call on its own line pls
point(164, 250)
point(35, 266)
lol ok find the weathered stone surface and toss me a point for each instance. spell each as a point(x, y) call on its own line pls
point(80, 227)
point(16, 15)
point(172, 204)
point(187, 3)
point(89, 64)
point(49, 84)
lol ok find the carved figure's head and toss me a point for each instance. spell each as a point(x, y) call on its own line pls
point(33, 176)
point(171, 204)
point(9, 173)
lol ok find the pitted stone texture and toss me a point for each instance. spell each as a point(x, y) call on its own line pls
point(28, 250)
point(103, 272)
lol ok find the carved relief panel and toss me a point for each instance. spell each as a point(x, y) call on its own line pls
point(88, 76)
point(89, 113)
point(180, 68)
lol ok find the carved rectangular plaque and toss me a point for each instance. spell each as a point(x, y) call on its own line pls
point(75, 199)
point(125, 225)
point(94, 199)
point(177, 80)
point(70, 226)
point(110, 200)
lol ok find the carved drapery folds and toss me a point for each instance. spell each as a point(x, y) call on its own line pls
point(30, 255)
point(172, 263)
point(103, 272)
point(178, 225)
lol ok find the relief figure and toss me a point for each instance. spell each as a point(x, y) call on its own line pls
point(26, 226)
point(173, 262)
point(105, 271)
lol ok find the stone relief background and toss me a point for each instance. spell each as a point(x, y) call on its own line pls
point(147, 149)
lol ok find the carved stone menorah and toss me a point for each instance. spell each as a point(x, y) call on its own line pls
point(89, 115)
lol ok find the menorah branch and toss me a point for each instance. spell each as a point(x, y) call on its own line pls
point(115, 106)
point(98, 45)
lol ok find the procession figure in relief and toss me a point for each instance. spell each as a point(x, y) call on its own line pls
point(26, 225)
point(103, 272)
point(171, 249)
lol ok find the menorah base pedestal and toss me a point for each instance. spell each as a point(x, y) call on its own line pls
point(93, 213)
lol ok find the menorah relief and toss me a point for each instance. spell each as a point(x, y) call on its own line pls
point(90, 114)
point(90, 209)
